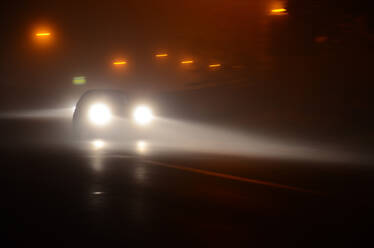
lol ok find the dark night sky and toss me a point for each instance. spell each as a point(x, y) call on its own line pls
point(88, 35)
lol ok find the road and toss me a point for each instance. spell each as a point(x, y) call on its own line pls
point(59, 195)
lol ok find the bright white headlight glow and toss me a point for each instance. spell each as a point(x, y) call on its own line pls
point(99, 114)
point(141, 146)
point(142, 115)
point(98, 144)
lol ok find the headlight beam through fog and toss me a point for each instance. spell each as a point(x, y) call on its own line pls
point(169, 135)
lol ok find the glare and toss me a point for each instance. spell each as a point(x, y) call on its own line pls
point(187, 62)
point(120, 62)
point(42, 34)
point(98, 144)
point(142, 115)
point(279, 11)
point(73, 109)
point(161, 55)
point(99, 114)
point(97, 161)
point(173, 135)
point(141, 146)
point(214, 65)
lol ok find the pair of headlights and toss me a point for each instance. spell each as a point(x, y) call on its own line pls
point(100, 114)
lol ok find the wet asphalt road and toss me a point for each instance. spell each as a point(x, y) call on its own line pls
point(57, 195)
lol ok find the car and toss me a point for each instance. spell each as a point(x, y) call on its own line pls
point(109, 114)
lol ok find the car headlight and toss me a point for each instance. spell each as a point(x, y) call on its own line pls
point(99, 114)
point(142, 115)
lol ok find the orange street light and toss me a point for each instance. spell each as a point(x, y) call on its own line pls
point(280, 11)
point(214, 65)
point(187, 62)
point(120, 62)
point(161, 55)
point(42, 34)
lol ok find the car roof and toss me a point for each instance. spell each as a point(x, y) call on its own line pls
point(95, 94)
point(103, 92)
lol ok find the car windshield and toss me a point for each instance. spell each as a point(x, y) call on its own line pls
point(116, 99)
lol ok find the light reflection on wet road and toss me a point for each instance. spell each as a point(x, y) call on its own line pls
point(106, 197)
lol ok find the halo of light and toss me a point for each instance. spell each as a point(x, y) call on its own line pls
point(142, 115)
point(99, 114)
point(98, 144)
point(141, 146)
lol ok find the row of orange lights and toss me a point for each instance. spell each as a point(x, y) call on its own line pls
point(122, 62)
point(163, 55)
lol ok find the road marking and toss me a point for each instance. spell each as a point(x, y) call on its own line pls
point(231, 177)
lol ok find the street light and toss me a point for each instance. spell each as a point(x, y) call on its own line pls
point(184, 62)
point(119, 62)
point(279, 11)
point(43, 34)
point(43, 37)
point(214, 65)
point(161, 55)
